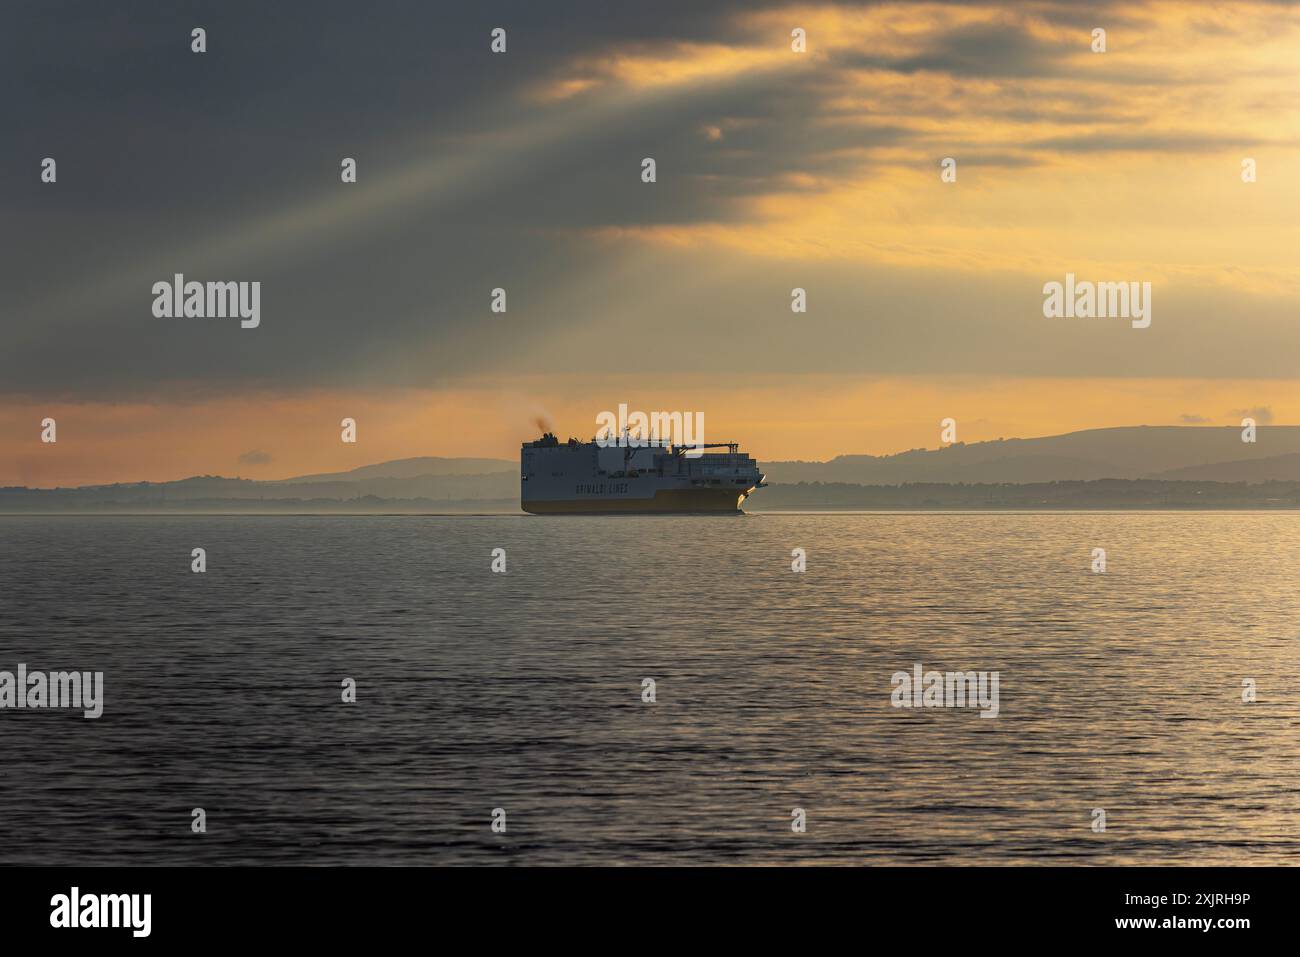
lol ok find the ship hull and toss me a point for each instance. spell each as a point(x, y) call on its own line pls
point(682, 501)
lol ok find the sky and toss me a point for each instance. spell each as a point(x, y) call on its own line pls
point(775, 170)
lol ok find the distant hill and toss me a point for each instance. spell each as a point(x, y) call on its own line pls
point(1278, 468)
point(1138, 467)
point(412, 468)
point(420, 484)
point(1127, 453)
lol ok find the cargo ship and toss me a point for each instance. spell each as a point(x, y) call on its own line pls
point(591, 478)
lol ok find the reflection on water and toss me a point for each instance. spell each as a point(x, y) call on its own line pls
point(522, 691)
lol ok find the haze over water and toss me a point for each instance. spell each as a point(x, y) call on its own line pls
point(1119, 691)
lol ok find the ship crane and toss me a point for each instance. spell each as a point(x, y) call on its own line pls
point(730, 446)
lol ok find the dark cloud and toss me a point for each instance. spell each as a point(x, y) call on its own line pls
point(1188, 418)
point(988, 50)
point(224, 166)
point(171, 161)
point(255, 457)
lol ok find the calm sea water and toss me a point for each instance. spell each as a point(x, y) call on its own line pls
point(522, 691)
